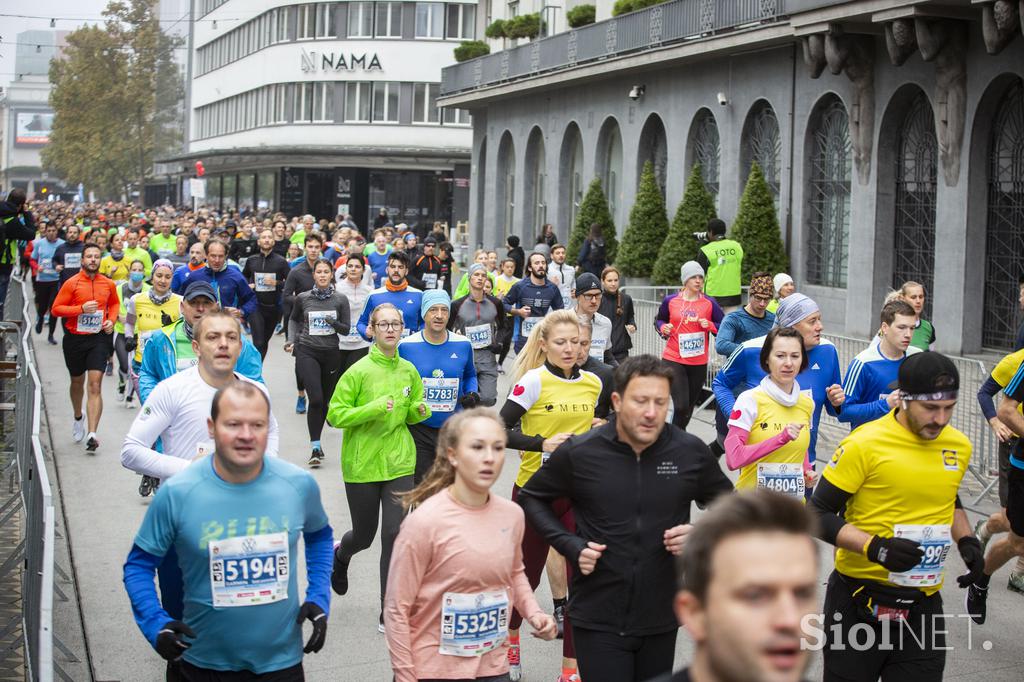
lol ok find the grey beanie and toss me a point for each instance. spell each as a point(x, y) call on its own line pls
point(691, 268)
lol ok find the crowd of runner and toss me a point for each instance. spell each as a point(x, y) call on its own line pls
point(401, 350)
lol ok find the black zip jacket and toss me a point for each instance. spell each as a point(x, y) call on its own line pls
point(274, 263)
point(13, 230)
point(627, 503)
point(423, 265)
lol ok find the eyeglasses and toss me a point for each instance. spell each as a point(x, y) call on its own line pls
point(591, 297)
point(388, 326)
point(761, 299)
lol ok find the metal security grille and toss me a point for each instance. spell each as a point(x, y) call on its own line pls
point(706, 149)
point(829, 190)
point(914, 224)
point(761, 143)
point(1004, 244)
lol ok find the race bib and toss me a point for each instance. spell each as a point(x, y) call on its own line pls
point(527, 326)
point(167, 253)
point(265, 281)
point(320, 322)
point(782, 478)
point(935, 541)
point(141, 347)
point(691, 344)
point(597, 348)
point(72, 261)
point(184, 363)
point(430, 280)
point(46, 266)
point(479, 335)
point(473, 624)
point(90, 323)
point(249, 570)
point(440, 394)
point(566, 291)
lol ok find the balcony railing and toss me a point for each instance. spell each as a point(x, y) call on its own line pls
point(668, 23)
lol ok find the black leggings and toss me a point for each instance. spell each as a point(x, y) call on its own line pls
point(364, 499)
point(425, 438)
point(262, 323)
point(186, 672)
point(351, 357)
point(124, 363)
point(610, 657)
point(320, 369)
point(45, 293)
point(687, 384)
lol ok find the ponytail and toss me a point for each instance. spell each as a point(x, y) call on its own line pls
point(532, 355)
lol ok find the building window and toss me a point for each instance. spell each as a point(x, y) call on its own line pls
point(281, 99)
point(314, 103)
point(707, 150)
point(429, 20)
point(357, 103)
point(914, 222)
point(385, 102)
point(1004, 248)
point(424, 106)
point(761, 143)
point(282, 24)
point(453, 116)
point(389, 19)
point(828, 190)
point(462, 22)
point(611, 163)
point(360, 20)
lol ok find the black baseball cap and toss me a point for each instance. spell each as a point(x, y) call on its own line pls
point(200, 289)
point(587, 282)
point(928, 376)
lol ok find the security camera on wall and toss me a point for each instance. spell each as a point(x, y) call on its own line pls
point(636, 92)
point(722, 99)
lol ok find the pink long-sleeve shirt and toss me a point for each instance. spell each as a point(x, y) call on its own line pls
point(445, 546)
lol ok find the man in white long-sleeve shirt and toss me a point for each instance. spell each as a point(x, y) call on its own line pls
point(176, 411)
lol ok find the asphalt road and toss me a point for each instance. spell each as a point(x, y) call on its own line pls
point(104, 510)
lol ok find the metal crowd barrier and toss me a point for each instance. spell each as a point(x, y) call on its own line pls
point(967, 417)
point(34, 553)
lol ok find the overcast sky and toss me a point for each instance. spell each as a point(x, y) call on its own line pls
point(70, 14)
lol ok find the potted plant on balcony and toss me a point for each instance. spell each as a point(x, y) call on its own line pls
point(496, 29)
point(581, 15)
point(523, 26)
point(471, 49)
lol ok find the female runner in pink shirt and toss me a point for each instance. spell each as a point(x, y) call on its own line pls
point(457, 566)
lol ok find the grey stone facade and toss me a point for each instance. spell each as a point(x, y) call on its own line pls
point(529, 124)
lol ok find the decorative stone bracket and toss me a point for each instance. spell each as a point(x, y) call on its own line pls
point(999, 24)
point(944, 42)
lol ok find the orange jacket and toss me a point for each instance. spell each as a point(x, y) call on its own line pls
point(79, 289)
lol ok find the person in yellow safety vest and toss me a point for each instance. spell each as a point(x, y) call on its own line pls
point(722, 260)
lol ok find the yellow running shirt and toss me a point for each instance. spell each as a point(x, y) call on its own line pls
point(764, 417)
point(148, 318)
point(1006, 368)
point(553, 405)
point(896, 478)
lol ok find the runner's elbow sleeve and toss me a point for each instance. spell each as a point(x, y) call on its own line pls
point(827, 504)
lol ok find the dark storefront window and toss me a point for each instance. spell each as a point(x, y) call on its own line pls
point(265, 190)
point(246, 192)
point(415, 198)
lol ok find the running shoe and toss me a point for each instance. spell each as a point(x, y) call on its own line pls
point(300, 405)
point(120, 391)
point(515, 668)
point(39, 326)
point(559, 616)
point(78, 429)
point(92, 444)
point(316, 459)
point(981, 538)
point(50, 340)
point(109, 371)
point(380, 623)
point(562, 677)
point(339, 575)
point(501, 370)
point(279, 329)
point(148, 485)
point(1016, 583)
point(974, 602)
point(129, 403)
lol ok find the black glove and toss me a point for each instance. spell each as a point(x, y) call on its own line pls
point(974, 558)
point(339, 326)
point(165, 319)
point(169, 643)
point(896, 554)
point(470, 400)
point(313, 613)
point(130, 343)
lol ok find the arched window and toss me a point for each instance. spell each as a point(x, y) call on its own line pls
point(914, 222)
point(828, 190)
point(609, 168)
point(761, 143)
point(536, 179)
point(1004, 240)
point(571, 171)
point(705, 149)
point(506, 184)
point(653, 148)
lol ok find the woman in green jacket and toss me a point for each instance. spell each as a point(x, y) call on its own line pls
point(374, 402)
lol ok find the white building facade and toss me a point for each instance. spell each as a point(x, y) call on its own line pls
point(329, 108)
